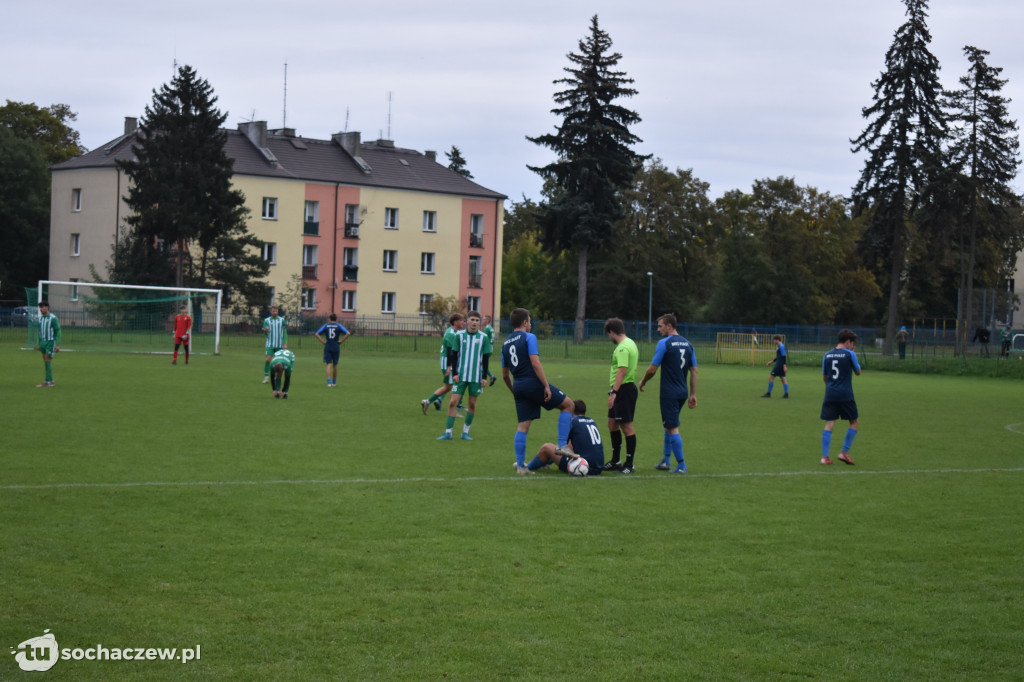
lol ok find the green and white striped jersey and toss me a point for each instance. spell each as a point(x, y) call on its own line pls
point(277, 333)
point(448, 343)
point(472, 349)
point(49, 329)
point(284, 357)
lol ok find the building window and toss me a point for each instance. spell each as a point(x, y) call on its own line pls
point(476, 230)
point(476, 270)
point(269, 208)
point(348, 301)
point(308, 299)
point(309, 254)
point(390, 261)
point(311, 224)
point(74, 289)
point(391, 218)
point(350, 265)
point(270, 252)
point(425, 301)
point(76, 244)
point(273, 295)
point(352, 221)
point(427, 263)
point(473, 303)
point(76, 199)
point(387, 302)
point(430, 221)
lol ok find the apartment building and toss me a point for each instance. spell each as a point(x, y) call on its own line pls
point(370, 228)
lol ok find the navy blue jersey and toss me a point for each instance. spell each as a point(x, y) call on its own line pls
point(780, 355)
point(838, 367)
point(333, 332)
point(515, 354)
point(675, 356)
point(586, 442)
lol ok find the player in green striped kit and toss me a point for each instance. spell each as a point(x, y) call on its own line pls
point(471, 362)
point(281, 365)
point(49, 340)
point(277, 338)
point(456, 321)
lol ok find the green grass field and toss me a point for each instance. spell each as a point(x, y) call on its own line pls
point(331, 536)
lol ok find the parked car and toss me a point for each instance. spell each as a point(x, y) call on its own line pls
point(19, 316)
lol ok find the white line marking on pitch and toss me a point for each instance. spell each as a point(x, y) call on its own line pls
point(468, 479)
point(1013, 427)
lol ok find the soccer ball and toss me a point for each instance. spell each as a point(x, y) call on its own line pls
point(578, 467)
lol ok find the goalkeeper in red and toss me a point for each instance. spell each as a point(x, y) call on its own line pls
point(182, 330)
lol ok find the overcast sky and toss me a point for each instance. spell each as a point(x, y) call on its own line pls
point(737, 90)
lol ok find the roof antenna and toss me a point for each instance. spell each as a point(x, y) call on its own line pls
point(346, 119)
point(389, 115)
point(284, 112)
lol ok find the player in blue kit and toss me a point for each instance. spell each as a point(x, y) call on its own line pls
point(524, 375)
point(334, 334)
point(584, 441)
point(779, 370)
point(676, 357)
point(837, 370)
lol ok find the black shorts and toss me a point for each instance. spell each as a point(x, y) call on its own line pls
point(331, 356)
point(625, 404)
point(832, 410)
point(778, 370)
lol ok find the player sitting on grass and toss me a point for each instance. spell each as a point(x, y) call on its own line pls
point(281, 367)
point(584, 441)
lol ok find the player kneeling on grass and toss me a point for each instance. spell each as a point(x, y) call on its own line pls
point(584, 442)
point(281, 365)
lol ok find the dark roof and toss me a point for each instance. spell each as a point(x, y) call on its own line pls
point(301, 158)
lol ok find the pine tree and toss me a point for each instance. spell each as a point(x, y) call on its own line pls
point(984, 153)
point(595, 161)
point(183, 205)
point(457, 163)
point(903, 140)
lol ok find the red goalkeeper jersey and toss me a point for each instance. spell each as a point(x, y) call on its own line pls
point(182, 324)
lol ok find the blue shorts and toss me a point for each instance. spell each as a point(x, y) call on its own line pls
point(331, 356)
point(778, 371)
point(594, 466)
point(529, 400)
point(670, 409)
point(832, 410)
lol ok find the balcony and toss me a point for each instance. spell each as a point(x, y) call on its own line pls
point(309, 272)
point(351, 230)
point(350, 273)
point(475, 281)
point(476, 240)
point(311, 228)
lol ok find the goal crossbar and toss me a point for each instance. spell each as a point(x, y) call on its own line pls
point(184, 290)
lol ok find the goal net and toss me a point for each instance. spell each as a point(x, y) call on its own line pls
point(126, 318)
point(744, 349)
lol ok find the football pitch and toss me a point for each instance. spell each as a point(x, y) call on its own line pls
point(330, 536)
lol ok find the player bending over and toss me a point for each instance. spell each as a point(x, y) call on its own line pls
point(281, 368)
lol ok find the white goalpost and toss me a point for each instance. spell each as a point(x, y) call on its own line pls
point(130, 314)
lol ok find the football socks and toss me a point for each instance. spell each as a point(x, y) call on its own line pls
point(826, 441)
point(848, 440)
point(520, 446)
point(564, 422)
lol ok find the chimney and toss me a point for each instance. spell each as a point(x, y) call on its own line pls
point(348, 141)
point(131, 124)
point(256, 131)
point(430, 154)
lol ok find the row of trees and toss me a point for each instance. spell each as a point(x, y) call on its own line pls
point(931, 214)
point(32, 139)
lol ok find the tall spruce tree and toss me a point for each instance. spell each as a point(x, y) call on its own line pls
point(457, 163)
point(984, 153)
point(595, 161)
point(183, 205)
point(903, 141)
